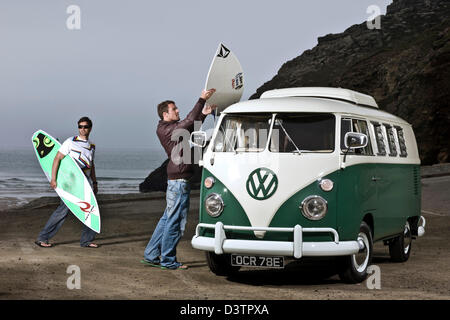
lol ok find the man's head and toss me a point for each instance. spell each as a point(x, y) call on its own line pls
point(84, 126)
point(168, 111)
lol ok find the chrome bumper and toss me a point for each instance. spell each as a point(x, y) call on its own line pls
point(220, 244)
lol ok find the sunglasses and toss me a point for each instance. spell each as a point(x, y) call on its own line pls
point(83, 127)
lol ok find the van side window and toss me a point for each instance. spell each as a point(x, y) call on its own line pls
point(356, 125)
point(391, 140)
point(380, 139)
point(361, 127)
point(401, 141)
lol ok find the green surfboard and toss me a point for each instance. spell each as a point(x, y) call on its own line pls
point(72, 185)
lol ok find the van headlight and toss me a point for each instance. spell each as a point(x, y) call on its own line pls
point(314, 207)
point(214, 205)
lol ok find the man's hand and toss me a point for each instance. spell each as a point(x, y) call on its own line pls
point(55, 166)
point(53, 184)
point(208, 109)
point(206, 94)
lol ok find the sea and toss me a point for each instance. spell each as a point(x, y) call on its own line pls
point(118, 171)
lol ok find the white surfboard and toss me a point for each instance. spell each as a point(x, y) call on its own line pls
point(226, 76)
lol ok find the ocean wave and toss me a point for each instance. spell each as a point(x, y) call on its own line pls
point(128, 187)
point(38, 186)
point(118, 179)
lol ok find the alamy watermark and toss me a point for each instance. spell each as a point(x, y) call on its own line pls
point(229, 140)
point(73, 21)
point(374, 279)
point(74, 280)
point(374, 20)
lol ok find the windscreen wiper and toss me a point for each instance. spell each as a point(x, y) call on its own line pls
point(290, 139)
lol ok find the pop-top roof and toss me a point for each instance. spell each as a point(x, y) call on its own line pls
point(322, 92)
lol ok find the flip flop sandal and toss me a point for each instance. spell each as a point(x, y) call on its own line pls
point(183, 267)
point(40, 244)
point(180, 267)
point(153, 264)
point(92, 246)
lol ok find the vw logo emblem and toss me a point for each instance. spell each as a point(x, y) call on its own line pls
point(262, 184)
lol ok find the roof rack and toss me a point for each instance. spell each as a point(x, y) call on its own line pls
point(323, 92)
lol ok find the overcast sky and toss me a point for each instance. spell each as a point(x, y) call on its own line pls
point(130, 55)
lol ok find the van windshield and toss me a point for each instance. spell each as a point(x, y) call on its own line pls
point(298, 133)
point(243, 133)
point(303, 133)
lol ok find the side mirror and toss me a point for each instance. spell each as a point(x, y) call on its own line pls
point(354, 140)
point(198, 138)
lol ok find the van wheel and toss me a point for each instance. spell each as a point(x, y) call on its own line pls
point(400, 247)
point(220, 264)
point(354, 267)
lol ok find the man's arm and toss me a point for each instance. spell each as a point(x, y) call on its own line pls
point(197, 113)
point(55, 167)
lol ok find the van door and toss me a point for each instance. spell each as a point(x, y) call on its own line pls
point(358, 190)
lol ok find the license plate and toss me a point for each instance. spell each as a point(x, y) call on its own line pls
point(257, 261)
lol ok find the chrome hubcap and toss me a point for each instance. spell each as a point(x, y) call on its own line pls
point(407, 239)
point(361, 259)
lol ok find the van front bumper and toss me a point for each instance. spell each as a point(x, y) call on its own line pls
point(297, 249)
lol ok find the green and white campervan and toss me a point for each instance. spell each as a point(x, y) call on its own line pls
point(308, 172)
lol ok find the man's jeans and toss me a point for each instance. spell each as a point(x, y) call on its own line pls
point(170, 227)
point(56, 221)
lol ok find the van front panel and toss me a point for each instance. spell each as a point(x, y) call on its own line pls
point(296, 178)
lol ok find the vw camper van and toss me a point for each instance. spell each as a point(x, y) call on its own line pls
point(308, 172)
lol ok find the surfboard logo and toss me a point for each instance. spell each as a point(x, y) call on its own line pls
point(262, 184)
point(223, 52)
point(43, 144)
point(238, 81)
point(87, 209)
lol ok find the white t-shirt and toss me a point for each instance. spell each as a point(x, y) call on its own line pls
point(81, 151)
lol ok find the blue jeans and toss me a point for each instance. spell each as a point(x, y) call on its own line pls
point(55, 222)
point(162, 247)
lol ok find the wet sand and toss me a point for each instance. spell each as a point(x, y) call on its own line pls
point(114, 270)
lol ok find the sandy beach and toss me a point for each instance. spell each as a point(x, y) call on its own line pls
point(114, 270)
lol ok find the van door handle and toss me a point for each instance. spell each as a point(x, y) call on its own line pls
point(375, 178)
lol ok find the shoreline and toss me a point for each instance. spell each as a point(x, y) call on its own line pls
point(436, 170)
point(44, 202)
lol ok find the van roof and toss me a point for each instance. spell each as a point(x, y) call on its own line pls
point(323, 92)
point(309, 104)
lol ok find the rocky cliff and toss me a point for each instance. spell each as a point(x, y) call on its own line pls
point(405, 65)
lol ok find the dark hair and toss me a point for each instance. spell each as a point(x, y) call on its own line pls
point(164, 107)
point(85, 119)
